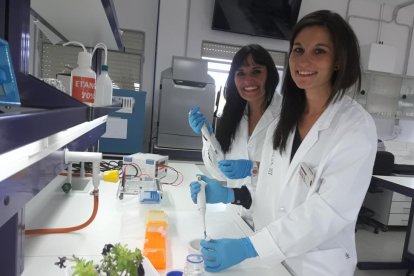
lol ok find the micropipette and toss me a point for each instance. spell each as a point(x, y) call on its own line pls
point(214, 153)
point(201, 203)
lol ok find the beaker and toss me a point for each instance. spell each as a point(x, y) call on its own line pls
point(194, 265)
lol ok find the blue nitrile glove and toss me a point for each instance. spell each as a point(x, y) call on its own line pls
point(224, 253)
point(196, 119)
point(236, 169)
point(215, 192)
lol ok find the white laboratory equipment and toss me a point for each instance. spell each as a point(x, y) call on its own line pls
point(149, 164)
point(185, 85)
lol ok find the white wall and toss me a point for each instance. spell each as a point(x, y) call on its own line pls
point(184, 24)
point(396, 33)
point(142, 15)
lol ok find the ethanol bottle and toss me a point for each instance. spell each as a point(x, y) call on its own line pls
point(103, 88)
point(83, 78)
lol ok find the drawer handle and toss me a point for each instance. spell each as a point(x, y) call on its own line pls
point(406, 208)
point(404, 220)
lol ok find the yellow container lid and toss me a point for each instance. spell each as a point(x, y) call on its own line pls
point(111, 176)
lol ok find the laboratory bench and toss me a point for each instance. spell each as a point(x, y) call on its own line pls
point(404, 186)
point(390, 207)
point(124, 221)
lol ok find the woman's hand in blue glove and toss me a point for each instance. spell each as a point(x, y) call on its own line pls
point(224, 253)
point(196, 119)
point(215, 192)
point(236, 169)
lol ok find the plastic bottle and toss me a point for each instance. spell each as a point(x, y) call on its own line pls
point(103, 82)
point(83, 78)
point(103, 88)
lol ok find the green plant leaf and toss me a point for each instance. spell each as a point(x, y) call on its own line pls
point(117, 260)
point(83, 267)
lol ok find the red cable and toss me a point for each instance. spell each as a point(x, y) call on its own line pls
point(68, 229)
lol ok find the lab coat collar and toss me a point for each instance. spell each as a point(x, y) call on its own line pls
point(264, 122)
point(271, 112)
point(311, 138)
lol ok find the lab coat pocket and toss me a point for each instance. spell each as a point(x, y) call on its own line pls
point(329, 262)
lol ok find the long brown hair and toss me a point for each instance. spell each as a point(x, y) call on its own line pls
point(348, 74)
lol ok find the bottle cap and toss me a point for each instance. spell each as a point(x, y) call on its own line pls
point(84, 59)
point(104, 67)
point(174, 273)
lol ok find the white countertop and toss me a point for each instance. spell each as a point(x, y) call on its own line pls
point(406, 181)
point(124, 221)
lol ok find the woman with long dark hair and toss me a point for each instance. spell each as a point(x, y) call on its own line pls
point(316, 163)
point(251, 105)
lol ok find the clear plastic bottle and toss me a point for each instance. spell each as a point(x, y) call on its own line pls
point(103, 88)
point(194, 265)
point(83, 78)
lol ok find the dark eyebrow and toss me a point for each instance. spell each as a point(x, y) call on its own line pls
point(323, 45)
point(317, 45)
point(257, 66)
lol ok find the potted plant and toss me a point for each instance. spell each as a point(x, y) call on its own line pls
point(116, 260)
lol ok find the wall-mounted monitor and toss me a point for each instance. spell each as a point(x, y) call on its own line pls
point(267, 18)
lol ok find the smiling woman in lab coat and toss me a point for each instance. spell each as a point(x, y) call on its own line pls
point(251, 106)
point(316, 163)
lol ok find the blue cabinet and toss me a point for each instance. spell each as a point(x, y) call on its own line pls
point(125, 127)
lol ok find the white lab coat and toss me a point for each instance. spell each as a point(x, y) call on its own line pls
point(312, 228)
point(245, 147)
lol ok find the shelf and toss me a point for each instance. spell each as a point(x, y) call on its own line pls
point(21, 128)
point(88, 22)
point(388, 95)
point(35, 134)
point(369, 72)
point(45, 110)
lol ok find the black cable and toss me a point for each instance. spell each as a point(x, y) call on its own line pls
point(104, 166)
point(138, 170)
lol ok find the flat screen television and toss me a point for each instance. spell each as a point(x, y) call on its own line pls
point(267, 18)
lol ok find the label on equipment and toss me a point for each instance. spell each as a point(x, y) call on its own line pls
point(83, 89)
